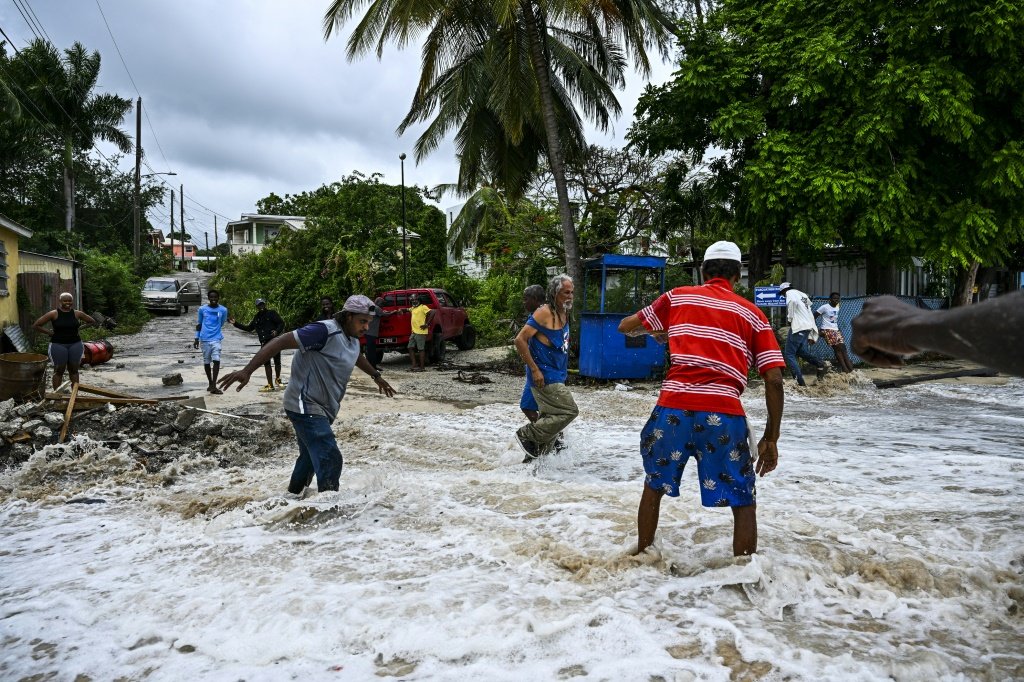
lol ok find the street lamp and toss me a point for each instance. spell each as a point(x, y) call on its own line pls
point(137, 232)
point(405, 247)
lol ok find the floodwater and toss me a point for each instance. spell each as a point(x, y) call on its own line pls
point(890, 548)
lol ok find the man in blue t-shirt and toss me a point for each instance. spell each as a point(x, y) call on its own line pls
point(543, 344)
point(210, 320)
point(328, 351)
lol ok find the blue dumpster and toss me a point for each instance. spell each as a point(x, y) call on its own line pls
point(615, 287)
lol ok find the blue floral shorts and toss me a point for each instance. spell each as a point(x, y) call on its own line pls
point(717, 441)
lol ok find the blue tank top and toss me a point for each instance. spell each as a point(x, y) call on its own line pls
point(552, 360)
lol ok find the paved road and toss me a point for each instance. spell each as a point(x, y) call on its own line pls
point(164, 346)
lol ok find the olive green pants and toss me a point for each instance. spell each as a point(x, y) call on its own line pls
point(557, 410)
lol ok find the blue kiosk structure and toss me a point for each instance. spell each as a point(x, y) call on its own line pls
point(614, 287)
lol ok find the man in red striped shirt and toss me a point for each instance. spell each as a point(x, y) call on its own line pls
point(714, 337)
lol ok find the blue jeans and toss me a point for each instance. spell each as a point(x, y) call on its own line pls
point(318, 453)
point(796, 346)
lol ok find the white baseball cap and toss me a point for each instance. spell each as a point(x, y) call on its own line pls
point(723, 251)
point(784, 286)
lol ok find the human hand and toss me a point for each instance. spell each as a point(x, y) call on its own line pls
point(538, 378)
point(384, 387)
point(231, 320)
point(876, 332)
point(660, 337)
point(767, 457)
point(195, 344)
point(239, 376)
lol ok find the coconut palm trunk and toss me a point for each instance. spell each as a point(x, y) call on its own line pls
point(541, 68)
point(69, 188)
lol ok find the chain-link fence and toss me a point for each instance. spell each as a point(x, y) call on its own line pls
point(850, 308)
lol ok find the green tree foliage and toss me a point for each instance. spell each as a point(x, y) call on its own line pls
point(58, 91)
point(897, 128)
point(505, 76)
point(110, 286)
point(57, 106)
point(352, 244)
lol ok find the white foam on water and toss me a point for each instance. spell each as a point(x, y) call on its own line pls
point(890, 548)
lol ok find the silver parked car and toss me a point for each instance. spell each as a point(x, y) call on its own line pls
point(168, 293)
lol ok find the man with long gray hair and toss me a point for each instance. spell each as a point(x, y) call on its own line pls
point(543, 344)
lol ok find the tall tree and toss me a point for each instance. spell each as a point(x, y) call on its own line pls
point(896, 128)
point(541, 54)
point(59, 92)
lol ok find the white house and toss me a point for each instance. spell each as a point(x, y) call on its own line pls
point(254, 231)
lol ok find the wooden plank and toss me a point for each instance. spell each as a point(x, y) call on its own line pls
point(89, 400)
point(896, 383)
point(67, 413)
point(94, 400)
point(103, 391)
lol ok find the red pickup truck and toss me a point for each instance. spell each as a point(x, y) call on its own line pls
point(449, 322)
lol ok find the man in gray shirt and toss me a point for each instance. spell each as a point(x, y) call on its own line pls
point(328, 350)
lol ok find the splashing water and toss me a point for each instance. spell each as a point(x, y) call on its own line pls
point(890, 548)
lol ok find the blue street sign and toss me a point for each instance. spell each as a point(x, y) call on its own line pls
point(768, 297)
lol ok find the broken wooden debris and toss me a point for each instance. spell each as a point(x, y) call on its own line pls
point(67, 414)
point(896, 383)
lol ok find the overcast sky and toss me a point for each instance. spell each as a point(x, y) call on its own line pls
point(245, 98)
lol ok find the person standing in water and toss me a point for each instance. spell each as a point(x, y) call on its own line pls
point(828, 312)
point(543, 344)
point(714, 337)
point(327, 352)
point(533, 298)
point(65, 343)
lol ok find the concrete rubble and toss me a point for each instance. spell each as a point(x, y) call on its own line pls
point(157, 434)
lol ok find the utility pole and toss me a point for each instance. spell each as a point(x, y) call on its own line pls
point(206, 237)
point(181, 206)
point(172, 229)
point(137, 240)
point(405, 246)
point(215, 243)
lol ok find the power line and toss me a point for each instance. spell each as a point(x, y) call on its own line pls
point(9, 41)
point(31, 27)
point(145, 112)
point(113, 40)
point(36, 17)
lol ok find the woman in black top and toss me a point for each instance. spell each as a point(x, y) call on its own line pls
point(65, 343)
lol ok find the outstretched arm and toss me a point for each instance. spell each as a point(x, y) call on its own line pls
point(632, 326)
point(264, 354)
point(382, 385)
point(990, 333)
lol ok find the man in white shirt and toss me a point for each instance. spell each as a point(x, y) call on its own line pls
point(802, 332)
point(829, 314)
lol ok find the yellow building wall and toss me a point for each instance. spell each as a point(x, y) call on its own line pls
point(30, 262)
point(9, 302)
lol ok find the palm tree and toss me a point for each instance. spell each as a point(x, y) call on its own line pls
point(60, 90)
point(524, 62)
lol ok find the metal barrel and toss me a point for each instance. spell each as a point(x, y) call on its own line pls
point(21, 374)
point(97, 352)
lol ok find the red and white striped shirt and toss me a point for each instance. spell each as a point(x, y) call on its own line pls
point(714, 336)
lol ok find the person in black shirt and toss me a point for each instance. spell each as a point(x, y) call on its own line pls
point(267, 324)
point(65, 343)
